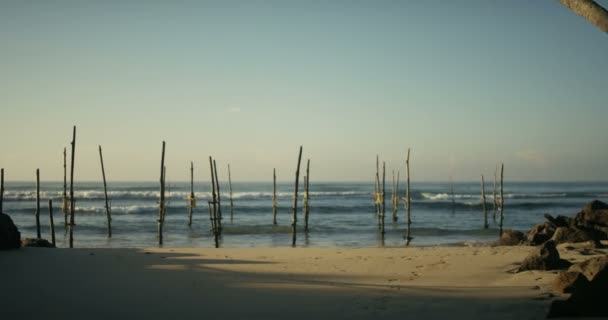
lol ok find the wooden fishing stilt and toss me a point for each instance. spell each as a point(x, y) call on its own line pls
point(502, 199)
point(72, 200)
point(294, 217)
point(377, 199)
point(1, 188)
point(494, 206)
point(191, 198)
point(38, 203)
point(306, 195)
point(383, 214)
point(394, 198)
point(161, 203)
point(230, 186)
point(483, 204)
point(64, 203)
point(105, 192)
point(408, 236)
point(51, 221)
point(274, 196)
point(219, 201)
point(213, 206)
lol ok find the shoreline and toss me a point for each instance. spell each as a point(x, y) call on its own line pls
point(261, 283)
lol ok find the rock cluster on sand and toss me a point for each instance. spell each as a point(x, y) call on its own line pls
point(588, 282)
point(511, 238)
point(40, 243)
point(10, 237)
point(544, 257)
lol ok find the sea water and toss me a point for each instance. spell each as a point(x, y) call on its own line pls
point(341, 214)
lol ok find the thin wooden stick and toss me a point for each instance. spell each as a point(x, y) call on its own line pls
point(483, 204)
point(453, 197)
point(1, 188)
point(213, 208)
point(589, 10)
point(494, 206)
point(219, 201)
point(38, 203)
point(230, 186)
point(395, 216)
point(105, 192)
point(191, 199)
point(72, 200)
point(64, 203)
point(377, 199)
point(408, 203)
point(383, 196)
point(161, 203)
point(52, 223)
point(394, 203)
point(274, 196)
point(502, 200)
point(306, 195)
point(294, 217)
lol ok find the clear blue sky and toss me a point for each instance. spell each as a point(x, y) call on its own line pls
point(465, 84)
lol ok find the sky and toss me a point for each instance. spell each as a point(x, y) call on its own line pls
point(464, 84)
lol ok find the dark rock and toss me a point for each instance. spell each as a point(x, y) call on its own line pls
point(594, 214)
point(592, 268)
point(40, 243)
point(10, 237)
point(544, 257)
point(559, 221)
point(576, 234)
point(511, 238)
point(567, 281)
point(540, 233)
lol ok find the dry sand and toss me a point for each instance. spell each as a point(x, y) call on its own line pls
point(275, 283)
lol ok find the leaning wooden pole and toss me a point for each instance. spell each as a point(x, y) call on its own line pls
point(64, 203)
point(191, 198)
point(230, 186)
point(502, 199)
point(294, 217)
point(72, 200)
point(483, 204)
point(589, 10)
point(161, 203)
point(306, 195)
point(377, 188)
point(213, 206)
point(105, 193)
point(408, 203)
point(38, 203)
point(383, 214)
point(1, 188)
point(51, 221)
point(219, 201)
point(274, 196)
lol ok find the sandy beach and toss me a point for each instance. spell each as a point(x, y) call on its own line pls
point(263, 283)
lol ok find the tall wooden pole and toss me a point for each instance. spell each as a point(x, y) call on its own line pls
point(274, 196)
point(230, 186)
point(219, 201)
point(394, 198)
point(51, 221)
point(1, 188)
point(38, 203)
point(191, 200)
point(105, 192)
point(589, 10)
point(383, 214)
point(502, 199)
point(377, 199)
point(408, 236)
point(306, 195)
point(72, 200)
point(64, 203)
point(161, 203)
point(494, 195)
point(483, 204)
point(213, 209)
point(294, 217)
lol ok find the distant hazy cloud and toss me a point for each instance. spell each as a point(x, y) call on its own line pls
point(234, 110)
point(532, 156)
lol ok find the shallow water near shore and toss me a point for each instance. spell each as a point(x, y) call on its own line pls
point(341, 214)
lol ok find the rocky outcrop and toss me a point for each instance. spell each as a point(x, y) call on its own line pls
point(540, 234)
point(544, 257)
point(588, 295)
point(40, 243)
point(511, 238)
point(595, 216)
point(567, 281)
point(10, 237)
point(576, 234)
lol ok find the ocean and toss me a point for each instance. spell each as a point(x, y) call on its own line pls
point(341, 214)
